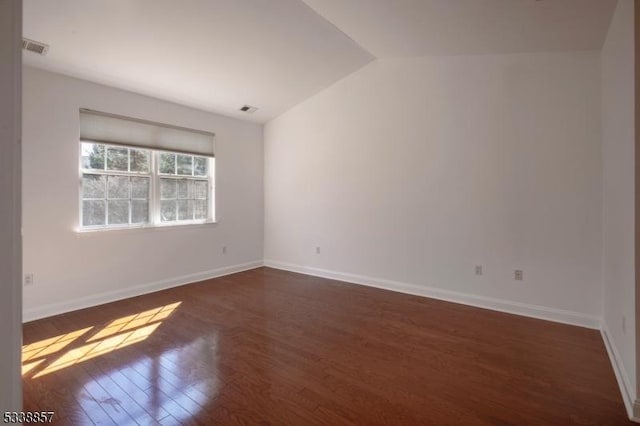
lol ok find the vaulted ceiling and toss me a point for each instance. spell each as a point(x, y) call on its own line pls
point(218, 55)
point(215, 55)
point(397, 28)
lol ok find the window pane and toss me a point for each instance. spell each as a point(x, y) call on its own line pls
point(200, 209)
point(184, 189)
point(200, 189)
point(117, 159)
point(185, 165)
point(93, 213)
point(167, 189)
point(200, 166)
point(126, 197)
point(118, 212)
point(140, 187)
point(93, 186)
point(139, 211)
point(118, 187)
point(92, 156)
point(185, 210)
point(168, 210)
point(167, 163)
point(139, 160)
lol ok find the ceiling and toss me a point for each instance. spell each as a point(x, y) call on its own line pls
point(218, 55)
point(399, 28)
point(213, 55)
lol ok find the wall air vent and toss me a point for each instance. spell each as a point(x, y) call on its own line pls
point(249, 109)
point(34, 46)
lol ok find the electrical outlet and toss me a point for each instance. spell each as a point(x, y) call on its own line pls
point(224, 249)
point(624, 325)
point(478, 269)
point(518, 274)
point(318, 250)
point(28, 278)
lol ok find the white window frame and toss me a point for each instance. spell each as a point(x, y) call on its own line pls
point(154, 199)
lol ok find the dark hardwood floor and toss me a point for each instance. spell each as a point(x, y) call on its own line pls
point(273, 347)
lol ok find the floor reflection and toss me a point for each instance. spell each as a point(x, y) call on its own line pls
point(176, 384)
point(171, 378)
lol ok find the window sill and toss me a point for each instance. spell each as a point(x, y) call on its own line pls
point(142, 229)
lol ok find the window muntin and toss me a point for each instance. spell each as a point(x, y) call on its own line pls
point(183, 165)
point(184, 187)
point(183, 199)
point(132, 187)
point(96, 156)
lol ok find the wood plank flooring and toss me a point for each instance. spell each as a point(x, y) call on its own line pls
point(273, 347)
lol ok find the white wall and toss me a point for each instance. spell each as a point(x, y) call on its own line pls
point(618, 192)
point(72, 269)
point(415, 170)
point(10, 249)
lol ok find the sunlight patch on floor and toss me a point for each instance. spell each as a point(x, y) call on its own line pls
point(48, 355)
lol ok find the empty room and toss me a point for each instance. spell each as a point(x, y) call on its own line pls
point(319, 212)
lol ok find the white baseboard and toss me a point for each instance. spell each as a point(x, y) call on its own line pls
point(621, 375)
point(524, 309)
point(111, 296)
point(636, 411)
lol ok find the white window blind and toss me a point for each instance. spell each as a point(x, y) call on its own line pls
point(108, 128)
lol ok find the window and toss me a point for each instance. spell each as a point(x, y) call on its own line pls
point(138, 173)
point(184, 187)
point(130, 186)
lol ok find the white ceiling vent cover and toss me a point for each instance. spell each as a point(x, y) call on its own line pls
point(35, 46)
point(248, 109)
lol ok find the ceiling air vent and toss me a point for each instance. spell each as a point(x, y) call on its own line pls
point(249, 109)
point(34, 46)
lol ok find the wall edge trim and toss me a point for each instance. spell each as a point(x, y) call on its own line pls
point(48, 310)
point(621, 375)
point(500, 305)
